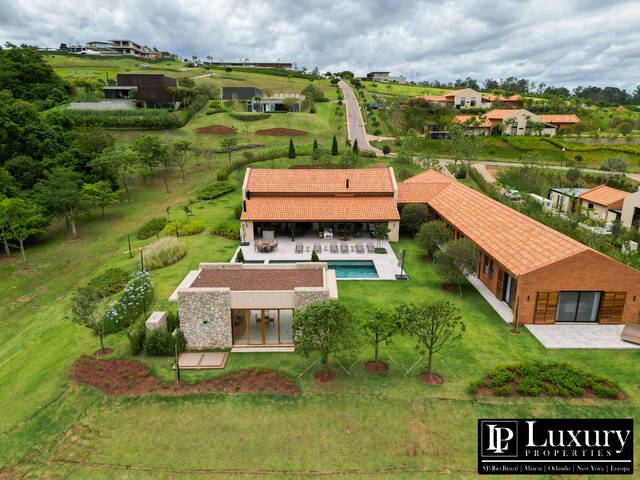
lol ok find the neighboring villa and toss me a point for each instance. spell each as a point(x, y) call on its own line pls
point(544, 275)
point(384, 77)
point(631, 210)
point(258, 102)
point(112, 48)
point(152, 89)
point(514, 122)
point(602, 203)
point(565, 199)
point(283, 65)
point(224, 305)
point(470, 98)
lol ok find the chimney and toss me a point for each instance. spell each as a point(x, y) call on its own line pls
point(244, 205)
point(347, 183)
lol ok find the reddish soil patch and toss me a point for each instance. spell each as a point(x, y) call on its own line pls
point(426, 258)
point(102, 351)
point(451, 288)
point(216, 130)
point(514, 331)
point(376, 367)
point(434, 380)
point(322, 378)
point(130, 377)
point(282, 132)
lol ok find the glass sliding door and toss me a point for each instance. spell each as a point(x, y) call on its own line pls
point(271, 327)
point(578, 306)
point(286, 332)
point(255, 327)
point(509, 289)
point(262, 326)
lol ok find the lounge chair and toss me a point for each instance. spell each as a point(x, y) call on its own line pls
point(344, 248)
point(268, 236)
point(334, 247)
point(370, 247)
point(299, 248)
point(317, 248)
point(359, 248)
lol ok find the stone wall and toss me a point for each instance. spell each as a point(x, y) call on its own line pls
point(305, 296)
point(205, 317)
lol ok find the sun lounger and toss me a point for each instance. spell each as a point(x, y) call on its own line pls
point(334, 247)
point(344, 248)
point(359, 247)
point(299, 248)
point(370, 247)
point(317, 248)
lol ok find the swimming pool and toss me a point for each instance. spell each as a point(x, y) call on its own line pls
point(346, 268)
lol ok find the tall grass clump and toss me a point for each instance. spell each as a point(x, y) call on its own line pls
point(164, 252)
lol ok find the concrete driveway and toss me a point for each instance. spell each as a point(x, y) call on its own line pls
point(355, 122)
point(580, 336)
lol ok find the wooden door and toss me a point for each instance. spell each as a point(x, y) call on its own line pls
point(611, 307)
point(546, 307)
point(500, 284)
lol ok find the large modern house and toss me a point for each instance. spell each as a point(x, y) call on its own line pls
point(384, 77)
point(602, 203)
point(111, 48)
point(542, 274)
point(469, 98)
point(151, 89)
point(257, 101)
point(514, 122)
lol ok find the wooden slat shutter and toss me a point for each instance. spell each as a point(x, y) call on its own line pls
point(500, 283)
point(611, 307)
point(546, 306)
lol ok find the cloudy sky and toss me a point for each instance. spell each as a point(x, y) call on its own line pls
point(561, 42)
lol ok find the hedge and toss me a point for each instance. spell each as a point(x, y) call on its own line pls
point(248, 116)
point(130, 303)
point(214, 190)
point(151, 228)
point(229, 230)
point(109, 282)
point(191, 228)
point(583, 147)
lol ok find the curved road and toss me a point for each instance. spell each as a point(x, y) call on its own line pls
point(355, 122)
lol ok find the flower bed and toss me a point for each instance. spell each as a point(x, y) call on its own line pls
point(130, 303)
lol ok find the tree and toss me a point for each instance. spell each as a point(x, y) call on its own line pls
point(573, 175)
point(386, 149)
point(315, 145)
point(378, 326)
point(435, 326)
point(355, 146)
point(381, 232)
point(464, 147)
point(290, 103)
point(61, 195)
point(21, 219)
point(228, 145)
point(292, 150)
point(182, 146)
point(457, 260)
point(149, 150)
point(84, 310)
point(614, 165)
point(432, 235)
point(119, 162)
point(325, 328)
point(334, 147)
point(413, 216)
point(100, 194)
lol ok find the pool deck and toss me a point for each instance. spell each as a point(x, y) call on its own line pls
point(386, 264)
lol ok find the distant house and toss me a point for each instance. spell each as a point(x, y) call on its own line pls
point(565, 199)
point(514, 122)
point(631, 210)
point(111, 47)
point(470, 98)
point(283, 65)
point(560, 121)
point(257, 101)
point(384, 77)
point(240, 93)
point(602, 203)
point(151, 89)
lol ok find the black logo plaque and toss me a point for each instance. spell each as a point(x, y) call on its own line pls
point(555, 446)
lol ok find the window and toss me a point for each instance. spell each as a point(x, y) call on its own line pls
point(491, 269)
point(509, 289)
point(578, 306)
point(486, 265)
point(590, 206)
point(514, 128)
point(473, 101)
point(462, 100)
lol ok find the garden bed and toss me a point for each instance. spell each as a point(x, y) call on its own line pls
point(282, 132)
point(216, 130)
point(545, 380)
point(130, 377)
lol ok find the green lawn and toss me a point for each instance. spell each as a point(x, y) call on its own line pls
point(362, 422)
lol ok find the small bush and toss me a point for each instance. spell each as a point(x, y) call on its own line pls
point(161, 343)
point(501, 375)
point(248, 116)
point(503, 391)
point(237, 211)
point(109, 282)
point(173, 321)
point(184, 229)
point(214, 190)
point(314, 257)
point(240, 257)
point(151, 228)
point(164, 252)
point(230, 230)
point(380, 250)
point(137, 335)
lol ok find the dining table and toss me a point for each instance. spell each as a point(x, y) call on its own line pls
point(265, 246)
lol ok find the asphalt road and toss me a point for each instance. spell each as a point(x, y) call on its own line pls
point(355, 123)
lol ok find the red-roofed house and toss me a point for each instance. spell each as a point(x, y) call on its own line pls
point(470, 98)
point(515, 122)
point(602, 202)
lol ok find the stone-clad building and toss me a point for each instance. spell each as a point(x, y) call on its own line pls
point(233, 304)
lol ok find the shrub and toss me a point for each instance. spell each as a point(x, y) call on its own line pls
point(230, 230)
point(248, 116)
point(314, 257)
point(413, 216)
point(237, 211)
point(161, 343)
point(380, 250)
point(130, 303)
point(214, 190)
point(501, 375)
point(109, 282)
point(137, 335)
point(173, 321)
point(151, 228)
point(503, 391)
point(240, 257)
point(164, 252)
point(190, 228)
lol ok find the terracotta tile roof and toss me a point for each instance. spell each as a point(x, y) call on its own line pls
point(291, 181)
point(256, 279)
point(483, 120)
point(516, 241)
point(433, 98)
point(418, 192)
point(499, 114)
point(559, 118)
point(321, 209)
point(511, 98)
point(603, 195)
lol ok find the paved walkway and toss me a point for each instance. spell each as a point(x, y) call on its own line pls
point(355, 122)
point(500, 307)
point(580, 336)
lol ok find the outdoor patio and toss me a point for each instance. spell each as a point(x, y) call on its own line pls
point(580, 336)
point(386, 264)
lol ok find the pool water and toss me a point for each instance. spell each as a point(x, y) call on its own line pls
point(346, 268)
